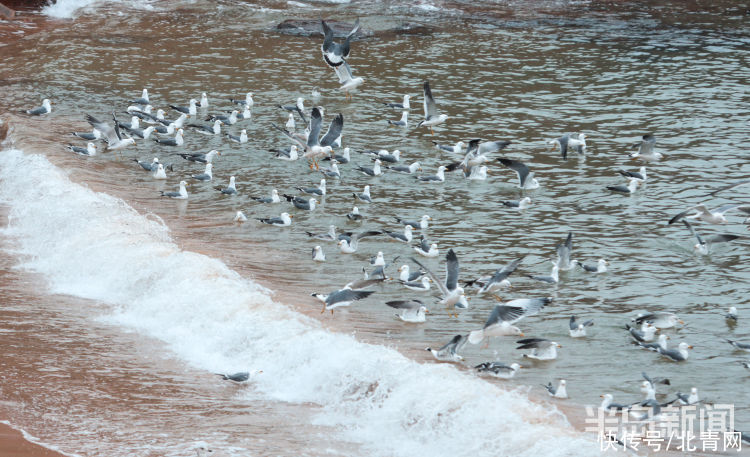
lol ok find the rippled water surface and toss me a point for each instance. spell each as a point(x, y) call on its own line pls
point(526, 77)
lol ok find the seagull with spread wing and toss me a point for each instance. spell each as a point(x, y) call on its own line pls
point(431, 115)
point(503, 317)
point(453, 294)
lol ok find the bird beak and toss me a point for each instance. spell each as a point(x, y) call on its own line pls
point(520, 366)
point(681, 322)
point(690, 347)
point(291, 216)
point(427, 311)
point(601, 396)
point(559, 345)
point(521, 334)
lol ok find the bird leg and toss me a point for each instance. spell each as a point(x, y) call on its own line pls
point(432, 131)
point(331, 311)
point(324, 309)
point(486, 343)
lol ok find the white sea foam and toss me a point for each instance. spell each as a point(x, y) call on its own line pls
point(92, 245)
point(67, 9)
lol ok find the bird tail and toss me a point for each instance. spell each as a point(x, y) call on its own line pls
point(476, 336)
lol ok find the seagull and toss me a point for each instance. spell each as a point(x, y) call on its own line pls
point(502, 318)
point(403, 106)
point(629, 189)
point(148, 166)
point(239, 139)
point(578, 329)
point(240, 217)
point(601, 266)
point(449, 352)
point(422, 224)
point(313, 149)
point(607, 403)
point(231, 189)
point(431, 116)
point(683, 399)
point(405, 237)
point(645, 334)
point(143, 100)
point(89, 150)
point(403, 122)
point(498, 280)
point(458, 148)
point(330, 235)
point(201, 157)
point(347, 80)
point(248, 101)
point(344, 157)
point(290, 155)
point(563, 254)
point(739, 345)
point(661, 343)
point(190, 110)
point(159, 173)
point(179, 122)
point(354, 215)
point(420, 286)
point(405, 275)
point(112, 135)
point(299, 108)
point(274, 198)
point(284, 220)
point(541, 349)
point(341, 297)
point(207, 174)
point(204, 101)
point(639, 175)
point(439, 176)
point(181, 194)
point(318, 255)
point(46, 108)
point(290, 125)
point(144, 134)
point(93, 136)
point(229, 120)
point(553, 278)
point(678, 355)
point(364, 196)
point(499, 370)
point(660, 320)
point(557, 392)
point(526, 178)
point(566, 141)
point(236, 377)
point(133, 124)
point(518, 204)
point(702, 213)
point(646, 149)
point(425, 249)
point(411, 310)
point(703, 245)
point(307, 204)
point(350, 245)
point(731, 314)
point(320, 190)
point(206, 130)
point(332, 171)
point(335, 54)
point(178, 139)
point(411, 169)
point(453, 294)
point(374, 171)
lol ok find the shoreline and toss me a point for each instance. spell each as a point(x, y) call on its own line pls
point(14, 443)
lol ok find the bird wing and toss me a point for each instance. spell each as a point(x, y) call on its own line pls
point(316, 121)
point(692, 230)
point(519, 167)
point(432, 276)
point(334, 130)
point(451, 270)
point(404, 304)
point(430, 108)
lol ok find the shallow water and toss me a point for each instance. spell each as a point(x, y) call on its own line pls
point(501, 72)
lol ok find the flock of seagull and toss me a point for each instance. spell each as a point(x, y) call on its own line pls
point(470, 161)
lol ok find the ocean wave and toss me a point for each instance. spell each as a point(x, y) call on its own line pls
point(68, 9)
point(91, 245)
